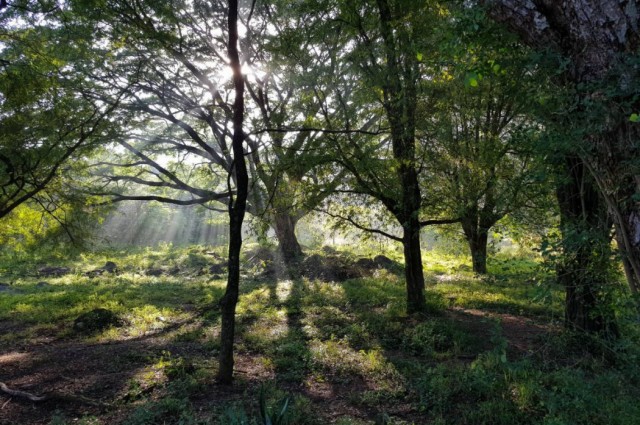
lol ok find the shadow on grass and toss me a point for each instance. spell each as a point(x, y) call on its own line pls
point(147, 305)
point(172, 363)
point(291, 351)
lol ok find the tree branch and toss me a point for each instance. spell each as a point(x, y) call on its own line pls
point(439, 221)
point(359, 226)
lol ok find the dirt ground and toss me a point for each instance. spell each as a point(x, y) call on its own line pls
point(93, 379)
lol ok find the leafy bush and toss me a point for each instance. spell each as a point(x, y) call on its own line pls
point(431, 336)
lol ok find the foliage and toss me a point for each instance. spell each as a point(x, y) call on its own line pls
point(49, 109)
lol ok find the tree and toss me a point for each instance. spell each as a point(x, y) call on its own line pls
point(291, 163)
point(49, 112)
point(600, 41)
point(180, 109)
point(183, 129)
point(480, 139)
point(378, 47)
point(237, 204)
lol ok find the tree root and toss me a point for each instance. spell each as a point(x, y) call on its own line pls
point(52, 396)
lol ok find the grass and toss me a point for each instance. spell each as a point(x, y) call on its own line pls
point(343, 352)
point(148, 303)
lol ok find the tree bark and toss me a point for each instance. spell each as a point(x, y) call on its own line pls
point(413, 267)
point(595, 35)
point(586, 264)
point(237, 207)
point(284, 224)
point(477, 239)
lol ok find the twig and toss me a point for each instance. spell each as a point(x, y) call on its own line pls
point(5, 403)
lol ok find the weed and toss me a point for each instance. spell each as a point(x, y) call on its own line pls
point(277, 414)
point(273, 408)
point(429, 337)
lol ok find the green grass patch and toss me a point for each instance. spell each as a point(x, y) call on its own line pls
point(352, 339)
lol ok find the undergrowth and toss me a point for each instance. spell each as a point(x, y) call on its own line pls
point(334, 352)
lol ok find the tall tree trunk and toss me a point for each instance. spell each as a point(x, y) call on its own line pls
point(586, 264)
point(400, 99)
point(237, 207)
point(595, 35)
point(413, 266)
point(477, 239)
point(284, 224)
point(403, 146)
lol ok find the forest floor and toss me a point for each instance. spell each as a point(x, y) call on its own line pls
point(337, 344)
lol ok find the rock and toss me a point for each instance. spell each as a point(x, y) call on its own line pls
point(97, 320)
point(110, 267)
point(218, 268)
point(154, 272)
point(328, 250)
point(384, 262)
point(366, 264)
point(50, 271)
point(94, 273)
point(260, 255)
point(328, 269)
point(189, 307)
point(312, 262)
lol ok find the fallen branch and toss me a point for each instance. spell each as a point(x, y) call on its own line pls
point(23, 394)
point(53, 396)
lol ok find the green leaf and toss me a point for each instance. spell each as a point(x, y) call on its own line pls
point(634, 118)
point(471, 80)
point(419, 56)
point(503, 357)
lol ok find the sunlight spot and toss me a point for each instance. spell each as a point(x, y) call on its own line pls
point(283, 290)
point(227, 72)
point(13, 357)
point(279, 330)
point(446, 277)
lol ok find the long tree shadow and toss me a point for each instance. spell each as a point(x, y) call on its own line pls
point(420, 349)
point(291, 354)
